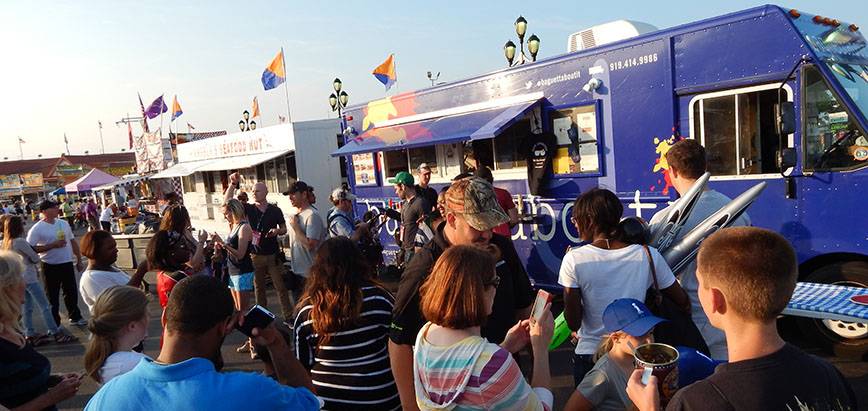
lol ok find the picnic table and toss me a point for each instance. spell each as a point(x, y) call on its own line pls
point(827, 301)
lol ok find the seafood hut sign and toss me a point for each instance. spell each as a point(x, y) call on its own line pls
point(264, 140)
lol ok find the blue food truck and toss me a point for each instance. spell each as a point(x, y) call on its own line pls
point(775, 95)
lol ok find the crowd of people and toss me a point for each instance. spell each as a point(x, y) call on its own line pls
point(449, 338)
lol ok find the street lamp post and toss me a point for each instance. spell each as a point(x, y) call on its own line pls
point(338, 100)
point(246, 124)
point(532, 45)
point(433, 78)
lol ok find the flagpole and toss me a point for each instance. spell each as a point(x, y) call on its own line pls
point(20, 150)
point(162, 103)
point(395, 69)
point(66, 141)
point(286, 86)
point(101, 143)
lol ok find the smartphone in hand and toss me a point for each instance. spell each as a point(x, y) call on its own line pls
point(257, 317)
point(539, 304)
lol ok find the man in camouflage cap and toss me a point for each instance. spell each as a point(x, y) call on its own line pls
point(471, 212)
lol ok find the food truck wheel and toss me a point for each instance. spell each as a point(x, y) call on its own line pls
point(844, 339)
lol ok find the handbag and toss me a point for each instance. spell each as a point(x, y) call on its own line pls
point(679, 329)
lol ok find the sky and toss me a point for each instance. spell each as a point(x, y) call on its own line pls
point(69, 65)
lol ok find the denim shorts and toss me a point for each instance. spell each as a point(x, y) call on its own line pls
point(241, 282)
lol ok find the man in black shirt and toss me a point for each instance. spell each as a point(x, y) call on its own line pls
point(471, 212)
point(746, 278)
point(267, 223)
point(412, 210)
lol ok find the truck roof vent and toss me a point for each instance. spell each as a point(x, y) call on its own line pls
point(587, 39)
point(607, 33)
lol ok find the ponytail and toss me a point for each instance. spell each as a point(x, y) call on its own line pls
point(607, 343)
point(114, 309)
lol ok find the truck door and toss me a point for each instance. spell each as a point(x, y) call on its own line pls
point(834, 149)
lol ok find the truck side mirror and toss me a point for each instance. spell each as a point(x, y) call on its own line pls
point(785, 113)
point(786, 158)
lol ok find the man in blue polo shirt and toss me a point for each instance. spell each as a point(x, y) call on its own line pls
point(185, 374)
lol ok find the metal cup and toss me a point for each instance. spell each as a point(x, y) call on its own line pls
point(660, 360)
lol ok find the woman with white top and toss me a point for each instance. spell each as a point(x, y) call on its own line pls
point(13, 240)
point(101, 250)
point(105, 217)
point(604, 270)
point(119, 323)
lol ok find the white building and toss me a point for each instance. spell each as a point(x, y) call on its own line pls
point(277, 155)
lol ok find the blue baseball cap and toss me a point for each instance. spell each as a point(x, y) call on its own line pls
point(630, 316)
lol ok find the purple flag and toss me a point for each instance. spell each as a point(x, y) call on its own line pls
point(156, 108)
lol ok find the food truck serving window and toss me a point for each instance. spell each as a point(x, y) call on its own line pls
point(737, 128)
point(395, 162)
point(832, 138)
point(576, 132)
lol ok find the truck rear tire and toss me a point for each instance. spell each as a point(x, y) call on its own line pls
point(844, 339)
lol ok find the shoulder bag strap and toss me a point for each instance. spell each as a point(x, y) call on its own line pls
point(333, 218)
point(651, 264)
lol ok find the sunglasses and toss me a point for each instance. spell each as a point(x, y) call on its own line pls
point(495, 282)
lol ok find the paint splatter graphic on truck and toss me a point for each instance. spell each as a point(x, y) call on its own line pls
point(661, 166)
point(388, 108)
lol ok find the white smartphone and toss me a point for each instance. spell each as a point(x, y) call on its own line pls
point(539, 305)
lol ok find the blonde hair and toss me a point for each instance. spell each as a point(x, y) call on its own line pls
point(607, 343)
point(11, 267)
point(12, 228)
point(235, 208)
point(114, 309)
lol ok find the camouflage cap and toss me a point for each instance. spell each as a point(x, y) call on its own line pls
point(473, 199)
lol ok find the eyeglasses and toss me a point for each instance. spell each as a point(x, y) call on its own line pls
point(495, 282)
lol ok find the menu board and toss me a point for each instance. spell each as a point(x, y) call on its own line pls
point(364, 169)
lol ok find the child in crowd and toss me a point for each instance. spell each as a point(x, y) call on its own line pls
point(746, 278)
point(119, 323)
point(629, 324)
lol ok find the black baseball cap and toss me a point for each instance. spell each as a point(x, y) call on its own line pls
point(296, 187)
point(46, 204)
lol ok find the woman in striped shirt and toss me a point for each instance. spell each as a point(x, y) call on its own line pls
point(453, 366)
point(341, 331)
